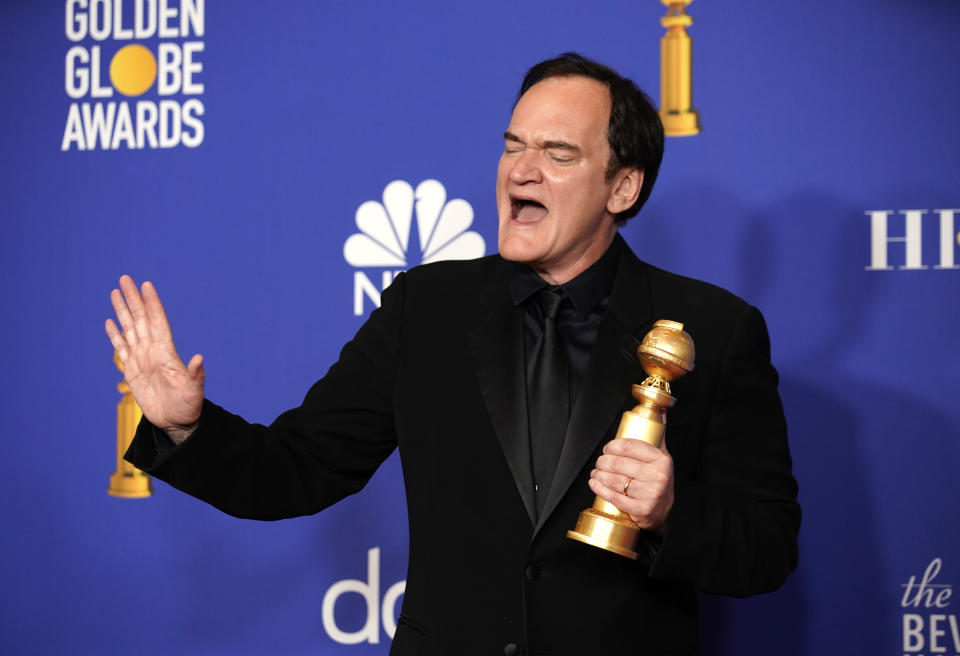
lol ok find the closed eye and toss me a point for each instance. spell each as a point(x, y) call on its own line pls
point(562, 152)
point(513, 143)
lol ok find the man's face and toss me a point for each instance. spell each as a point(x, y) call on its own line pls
point(552, 193)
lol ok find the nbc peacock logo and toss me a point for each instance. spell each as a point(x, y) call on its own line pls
point(386, 229)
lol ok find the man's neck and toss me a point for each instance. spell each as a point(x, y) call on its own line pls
point(565, 273)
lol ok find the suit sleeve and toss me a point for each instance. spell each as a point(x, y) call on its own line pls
point(734, 525)
point(309, 457)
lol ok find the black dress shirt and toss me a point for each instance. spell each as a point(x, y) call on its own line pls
point(579, 319)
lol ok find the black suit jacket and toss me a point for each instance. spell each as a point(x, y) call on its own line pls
point(438, 372)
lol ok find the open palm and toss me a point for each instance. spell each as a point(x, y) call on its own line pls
point(169, 393)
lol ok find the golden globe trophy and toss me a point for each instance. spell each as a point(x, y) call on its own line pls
point(679, 117)
point(666, 354)
point(127, 481)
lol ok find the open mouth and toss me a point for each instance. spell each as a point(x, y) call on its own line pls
point(526, 210)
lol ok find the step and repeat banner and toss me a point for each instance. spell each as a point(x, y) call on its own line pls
point(259, 163)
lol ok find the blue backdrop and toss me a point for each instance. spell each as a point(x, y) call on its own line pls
point(830, 137)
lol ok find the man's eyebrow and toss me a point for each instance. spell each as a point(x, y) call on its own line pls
point(551, 145)
point(561, 145)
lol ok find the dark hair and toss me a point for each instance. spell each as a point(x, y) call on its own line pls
point(635, 132)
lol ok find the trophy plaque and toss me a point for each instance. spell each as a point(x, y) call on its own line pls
point(666, 354)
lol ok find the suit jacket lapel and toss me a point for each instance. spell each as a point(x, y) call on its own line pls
point(497, 348)
point(612, 369)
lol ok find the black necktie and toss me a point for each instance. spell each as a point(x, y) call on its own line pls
point(548, 395)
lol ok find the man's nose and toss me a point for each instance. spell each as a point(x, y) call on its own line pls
point(526, 168)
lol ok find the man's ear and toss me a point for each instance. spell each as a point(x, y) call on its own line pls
point(626, 189)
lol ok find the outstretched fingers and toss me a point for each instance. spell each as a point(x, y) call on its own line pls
point(134, 303)
point(141, 316)
point(169, 394)
point(119, 343)
point(155, 314)
point(124, 317)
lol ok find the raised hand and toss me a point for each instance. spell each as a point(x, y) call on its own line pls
point(169, 393)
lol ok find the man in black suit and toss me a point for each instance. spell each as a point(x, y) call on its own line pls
point(449, 370)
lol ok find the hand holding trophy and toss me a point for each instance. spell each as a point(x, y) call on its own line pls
point(666, 354)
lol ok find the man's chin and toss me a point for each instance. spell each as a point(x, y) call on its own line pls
point(518, 250)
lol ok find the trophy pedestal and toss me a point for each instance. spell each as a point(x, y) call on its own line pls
point(127, 482)
point(130, 485)
point(680, 123)
point(603, 524)
point(613, 531)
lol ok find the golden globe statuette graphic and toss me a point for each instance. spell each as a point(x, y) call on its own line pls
point(676, 108)
point(666, 354)
point(127, 481)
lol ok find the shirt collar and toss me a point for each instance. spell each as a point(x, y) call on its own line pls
point(586, 292)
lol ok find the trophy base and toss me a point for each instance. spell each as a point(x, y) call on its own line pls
point(130, 486)
point(680, 123)
point(608, 532)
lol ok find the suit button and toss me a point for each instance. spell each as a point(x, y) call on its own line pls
point(533, 573)
point(511, 650)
